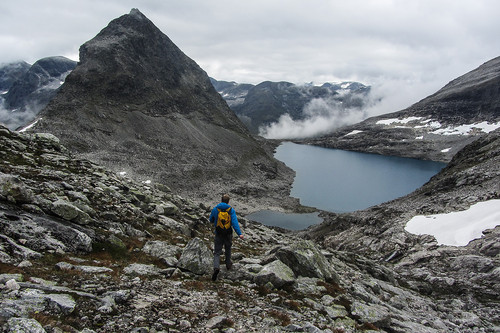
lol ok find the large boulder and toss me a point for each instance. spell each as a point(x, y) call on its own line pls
point(70, 212)
point(13, 189)
point(163, 250)
point(196, 257)
point(372, 314)
point(305, 259)
point(277, 273)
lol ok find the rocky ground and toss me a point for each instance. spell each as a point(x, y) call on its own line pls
point(85, 250)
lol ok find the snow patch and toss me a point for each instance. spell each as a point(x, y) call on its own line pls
point(429, 123)
point(467, 128)
point(353, 132)
point(419, 138)
point(397, 121)
point(458, 228)
point(24, 129)
point(446, 150)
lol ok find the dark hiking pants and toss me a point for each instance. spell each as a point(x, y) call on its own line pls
point(222, 241)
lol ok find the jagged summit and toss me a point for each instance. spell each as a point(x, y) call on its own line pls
point(137, 13)
point(137, 103)
point(132, 61)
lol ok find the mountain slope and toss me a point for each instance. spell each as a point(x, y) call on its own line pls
point(30, 88)
point(11, 72)
point(39, 83)
point(435, 128)
point(137, 104)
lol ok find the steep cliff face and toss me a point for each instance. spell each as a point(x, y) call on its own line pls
point(435, 128)
point(136, 103)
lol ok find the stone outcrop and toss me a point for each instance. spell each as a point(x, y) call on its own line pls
point(305, 259)
point(196, 257)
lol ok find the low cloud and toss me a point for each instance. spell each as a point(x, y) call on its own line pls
point(14, 119)
point(322, 116)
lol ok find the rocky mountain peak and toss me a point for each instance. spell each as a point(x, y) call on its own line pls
point(472, 97)
point(26, 89)
point(131, 60)
point(137, 104)
point(487, 73)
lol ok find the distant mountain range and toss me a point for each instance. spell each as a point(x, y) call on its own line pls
point(263, 104)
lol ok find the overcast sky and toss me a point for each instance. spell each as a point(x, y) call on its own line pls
point(409, 48)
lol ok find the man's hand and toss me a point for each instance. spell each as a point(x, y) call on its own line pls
point(241, 237)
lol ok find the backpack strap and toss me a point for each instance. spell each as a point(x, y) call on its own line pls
point(225, 210)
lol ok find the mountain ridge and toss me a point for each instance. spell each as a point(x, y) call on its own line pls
point(436, 127)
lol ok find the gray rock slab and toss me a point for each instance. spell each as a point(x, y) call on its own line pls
point(196, 257)
point(277, 273)
point(19, 325)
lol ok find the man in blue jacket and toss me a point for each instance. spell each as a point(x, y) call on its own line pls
point(224, 237)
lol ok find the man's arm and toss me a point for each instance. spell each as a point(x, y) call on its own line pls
point(235, 224)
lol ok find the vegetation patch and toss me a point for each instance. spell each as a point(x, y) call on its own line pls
point(281, 316)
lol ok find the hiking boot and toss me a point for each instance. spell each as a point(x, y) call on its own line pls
point(229, 266)
point(214, 275)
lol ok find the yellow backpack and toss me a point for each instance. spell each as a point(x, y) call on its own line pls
point(224, 221)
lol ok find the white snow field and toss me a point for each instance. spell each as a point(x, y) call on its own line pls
point(458, 228)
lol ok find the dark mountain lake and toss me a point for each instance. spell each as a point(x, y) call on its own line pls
point(342, 181)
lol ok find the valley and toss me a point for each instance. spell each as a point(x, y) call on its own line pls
point(104, 207)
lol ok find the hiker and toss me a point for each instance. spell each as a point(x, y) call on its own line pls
point(224, 219)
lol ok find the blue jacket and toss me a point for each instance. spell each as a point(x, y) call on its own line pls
point(232, 212)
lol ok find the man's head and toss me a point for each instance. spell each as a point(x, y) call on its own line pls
point(225, 198)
